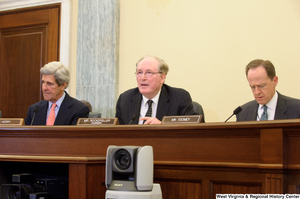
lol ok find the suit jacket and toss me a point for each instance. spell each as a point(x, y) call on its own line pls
point(172, 101)
point(287, 108)
point(70, 110)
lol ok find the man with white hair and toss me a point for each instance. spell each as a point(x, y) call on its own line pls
point(57, 108)
point(152, 99)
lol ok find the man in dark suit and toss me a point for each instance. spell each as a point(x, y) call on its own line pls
point(268, 103)
point(66, 110)
point(165, 100)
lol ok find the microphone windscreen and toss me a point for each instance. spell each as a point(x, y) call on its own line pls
point(36, 108)
point(237, 110)
point(133, 116)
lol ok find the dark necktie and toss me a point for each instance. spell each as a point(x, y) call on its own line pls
point(264, 115)
point(149, 111)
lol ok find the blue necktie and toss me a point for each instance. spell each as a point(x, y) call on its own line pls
point(264, 115)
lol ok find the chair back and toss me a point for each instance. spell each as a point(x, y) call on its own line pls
point(198, 109)
point(94, 115)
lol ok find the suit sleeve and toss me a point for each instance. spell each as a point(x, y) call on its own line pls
point(186, 107)
point(82, 113)
point(29, 116)
point(119, 111)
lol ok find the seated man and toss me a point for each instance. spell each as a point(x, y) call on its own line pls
point(57, 108)
point(152, 99)
point(268, 103)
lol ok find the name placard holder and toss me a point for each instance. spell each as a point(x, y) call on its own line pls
point(98, 121)
point(183, 119)
point(12, 121)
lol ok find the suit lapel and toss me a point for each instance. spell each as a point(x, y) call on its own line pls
point(135, 106)
point(163, 105)
point(41, 115)
point(253, 114)
point(64, 111)
point(280, 108)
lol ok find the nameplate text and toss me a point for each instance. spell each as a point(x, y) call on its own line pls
point(97, 121)
point(11, 121)
point(184, 119)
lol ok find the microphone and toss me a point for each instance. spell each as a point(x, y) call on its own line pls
point(236, 111)
point(36, 108)
point(133, 117)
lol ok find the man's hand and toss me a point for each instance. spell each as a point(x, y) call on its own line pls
point(150, 120)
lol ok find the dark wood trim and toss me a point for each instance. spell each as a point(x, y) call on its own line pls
point(195, 160)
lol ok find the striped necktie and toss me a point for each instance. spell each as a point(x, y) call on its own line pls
point(149, 111)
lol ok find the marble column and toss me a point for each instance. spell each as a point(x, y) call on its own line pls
point(97, 54)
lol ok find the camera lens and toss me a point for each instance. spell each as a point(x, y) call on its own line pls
point(123, 159)
point(14, 193)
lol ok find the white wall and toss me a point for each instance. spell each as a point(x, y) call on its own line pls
point(208, 43)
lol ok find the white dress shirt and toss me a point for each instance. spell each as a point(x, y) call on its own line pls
point(271, 108)
point(144, 106)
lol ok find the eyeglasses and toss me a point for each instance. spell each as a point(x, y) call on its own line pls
point(147, 73)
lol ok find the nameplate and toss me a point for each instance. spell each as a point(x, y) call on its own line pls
point(98, 121)
point(183, 119)
point(11, 121)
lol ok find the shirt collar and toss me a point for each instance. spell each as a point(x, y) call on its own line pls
point(58, 102)
point(154, 99)
point(272, 103)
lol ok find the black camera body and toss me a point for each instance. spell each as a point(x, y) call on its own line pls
point(25, 186)
point(57, 187)
point(40, 195)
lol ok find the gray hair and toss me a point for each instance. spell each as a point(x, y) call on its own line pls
point(61, 73)
point(163, 66)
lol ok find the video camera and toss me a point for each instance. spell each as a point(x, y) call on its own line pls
point(25, 186)
point(129, 173)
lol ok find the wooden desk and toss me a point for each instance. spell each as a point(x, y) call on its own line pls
point(191, 161)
